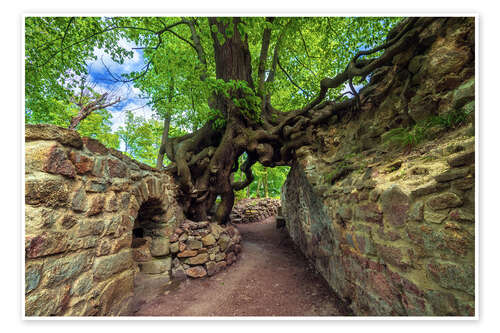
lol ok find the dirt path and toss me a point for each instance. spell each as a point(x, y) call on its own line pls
point(269, 279)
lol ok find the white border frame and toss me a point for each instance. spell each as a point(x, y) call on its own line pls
point(250, 13)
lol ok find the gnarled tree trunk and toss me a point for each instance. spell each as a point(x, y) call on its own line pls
point(205, 160)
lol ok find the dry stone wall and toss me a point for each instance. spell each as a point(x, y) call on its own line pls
point(392, 229)
point(94, 218)
point(254, 210)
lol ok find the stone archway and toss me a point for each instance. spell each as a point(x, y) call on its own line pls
point(150, 242)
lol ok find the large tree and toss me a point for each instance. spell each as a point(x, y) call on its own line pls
point(254, 86)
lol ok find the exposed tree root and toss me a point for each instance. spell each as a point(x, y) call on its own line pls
point(205, 161)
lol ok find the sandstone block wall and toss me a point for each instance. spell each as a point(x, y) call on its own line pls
point(83, 202)
point(392, 230)
point(94, 218)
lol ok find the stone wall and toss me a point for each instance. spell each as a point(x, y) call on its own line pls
point(94, 217)
point(392, 228)
point(254, 210)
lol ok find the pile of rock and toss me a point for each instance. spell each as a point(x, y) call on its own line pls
point(253, 210)
point(195, 249)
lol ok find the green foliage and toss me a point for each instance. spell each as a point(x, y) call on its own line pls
point(452, 119)
point(58, 50)
point(240, 94)
point(97, 125)
point(142, 138)
point(405, 137)
point(219, 122)
point(275, 178)
point(411, 136)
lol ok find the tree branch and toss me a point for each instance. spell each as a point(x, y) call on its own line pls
point(266, 38)
point(291, 80)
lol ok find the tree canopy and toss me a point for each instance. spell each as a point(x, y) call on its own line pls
point(231, 92)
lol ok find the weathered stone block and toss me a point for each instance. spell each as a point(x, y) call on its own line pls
point(196, 272)
point(97, 185)
point(463, 94)
point(48, 190)
point(141, 249)
point(392, 255)
point(463, 184)
point(444, 200)
point(216, 230)
point(88, 227)
point(208, 240)
point(424, 189)
point(368, 212)
point(224, 241)
point(174, 247)
point(59, 270)
point(160, 246)
point(395, 205)
point(45, 243)
point(32, 275)
point(96, 206)
point(179, 273)
point(452, 275)
point(156, 266)
point(434, 216)
point(193, 244)
point(68, 221)
point(51, 132)
point(116, 168)
point(462, 215)
point(36, 154)
point(57, 162)
point(187, 253)
point(416, 212)
point(47, 302)
point(82, 284)
point(421, 107)
point(114, 295)
point(112, 204)
point(105, 267)
point(461, 158)
point(95, 146)
point(83, 164)
point(211, 267)
point(451, 174)
point(198, 259)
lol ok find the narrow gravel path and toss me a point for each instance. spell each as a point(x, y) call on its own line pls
point(271, 278)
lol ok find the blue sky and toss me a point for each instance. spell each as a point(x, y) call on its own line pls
point(104, 82)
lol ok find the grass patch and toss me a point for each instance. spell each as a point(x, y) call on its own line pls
point(409, 137)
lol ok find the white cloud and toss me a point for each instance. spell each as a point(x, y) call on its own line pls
point(129, 64)
point(138, 108)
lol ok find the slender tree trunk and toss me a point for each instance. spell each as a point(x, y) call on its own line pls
point(266, 186)
point(164, 138)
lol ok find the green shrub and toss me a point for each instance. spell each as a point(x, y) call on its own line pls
point(409, 137)
point(451, 119)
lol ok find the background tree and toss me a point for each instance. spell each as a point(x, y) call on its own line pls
point(88, 100)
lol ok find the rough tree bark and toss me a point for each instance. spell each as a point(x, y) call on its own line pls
point(205, 160)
